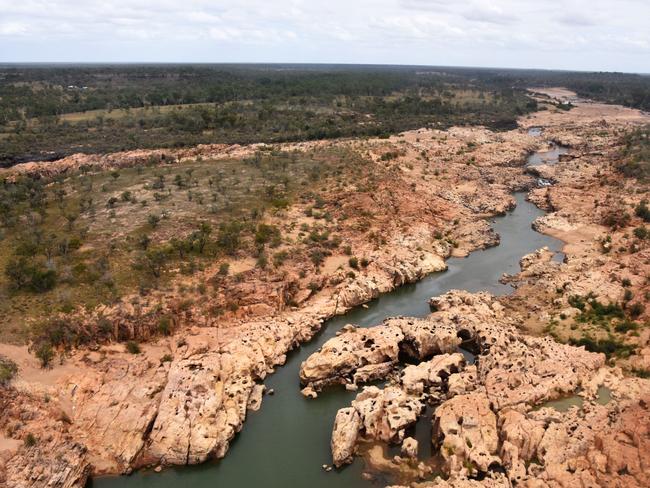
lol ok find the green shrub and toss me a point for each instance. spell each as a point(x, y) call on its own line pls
point(30, 440)
point(229, 236)
point(625, 326)
point(45, 354)
point(153, 220)
point(610, 347)
point(133, 347)
point(223, 269)
point(165, 325)
point(641, 373)
point(641, 233)
point(29, 276)
point(8, 370)
point(643, 211)
point(353, 262)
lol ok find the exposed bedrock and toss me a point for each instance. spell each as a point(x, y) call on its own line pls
point(359, 355)
point(490, 423)
point(384, 414)
point(465, 430)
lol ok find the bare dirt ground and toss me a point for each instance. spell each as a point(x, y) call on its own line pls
point(557, 93)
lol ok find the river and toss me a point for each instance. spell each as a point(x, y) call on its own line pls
point(287, 441)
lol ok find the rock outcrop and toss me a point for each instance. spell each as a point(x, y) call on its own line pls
point(359, 355)
point(490, 421)
point(45, 454)
point(465, 428)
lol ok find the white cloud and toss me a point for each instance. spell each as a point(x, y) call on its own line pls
point(13, 29)
point(581, 34)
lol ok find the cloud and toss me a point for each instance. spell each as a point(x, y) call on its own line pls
point(576, 20)
point(524, 33)
point(490, 15)
point(13, 29)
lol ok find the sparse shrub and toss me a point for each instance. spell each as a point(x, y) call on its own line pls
point(30, 440)
point(353, 262)
point(223, 269)
point(643, 211)
point(616, 219)
point(636, 309)
point(165, 325)
point(317, 256)
point(8, 370)
point(153, 220)
point(262, 261)
point(279, 258)
point(133, 347)
point(143, 242)
point(45, 354)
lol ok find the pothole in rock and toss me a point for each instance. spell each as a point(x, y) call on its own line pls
point(604, 396)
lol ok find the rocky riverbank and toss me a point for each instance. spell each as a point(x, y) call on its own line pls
point(183, 399)
point(490, 423)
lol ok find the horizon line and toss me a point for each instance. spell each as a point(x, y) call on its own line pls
point(293, 63)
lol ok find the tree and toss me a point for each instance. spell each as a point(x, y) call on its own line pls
point(229, 237)
point(30, 276)
point(153, 260)
point(200, 237)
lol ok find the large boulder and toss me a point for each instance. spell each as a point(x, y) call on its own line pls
point(465, 428)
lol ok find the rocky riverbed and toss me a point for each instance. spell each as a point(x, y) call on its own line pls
point(107, 411)
point(485, 424)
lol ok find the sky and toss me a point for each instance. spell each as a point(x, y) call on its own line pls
point(598, 35)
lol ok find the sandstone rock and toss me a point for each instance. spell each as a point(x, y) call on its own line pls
point(255, 399)
point(60, 466)
point(410, 448)
point(344, 435)
point(465, 427)
point(385, 414)
point(342, 356)
point(416, 379)
point(365, 354)
point(423, 338)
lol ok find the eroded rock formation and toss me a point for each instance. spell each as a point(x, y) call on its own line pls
point(490, 423)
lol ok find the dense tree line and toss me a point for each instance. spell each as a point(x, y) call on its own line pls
point(182, 105)
point(233, 104)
